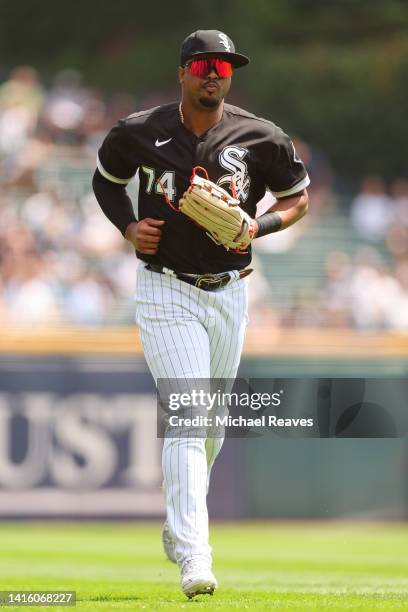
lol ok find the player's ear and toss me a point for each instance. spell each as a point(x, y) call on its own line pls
point(181, 71)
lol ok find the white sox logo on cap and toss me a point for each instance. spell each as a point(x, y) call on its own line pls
point(224, 41)
point(213, 42)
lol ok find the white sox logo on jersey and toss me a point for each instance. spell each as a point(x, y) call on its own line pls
point(231, 158)
point(224, 41)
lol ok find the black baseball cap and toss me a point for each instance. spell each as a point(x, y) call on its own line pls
point(211, 43)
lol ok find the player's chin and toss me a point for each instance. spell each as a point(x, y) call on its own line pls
point(210, 100)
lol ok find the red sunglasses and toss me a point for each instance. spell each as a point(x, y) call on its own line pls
point(202, 67)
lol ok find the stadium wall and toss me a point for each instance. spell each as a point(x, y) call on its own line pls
point(78, 432)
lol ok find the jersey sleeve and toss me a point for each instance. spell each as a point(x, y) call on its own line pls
point(114, 161)
point(284, 173)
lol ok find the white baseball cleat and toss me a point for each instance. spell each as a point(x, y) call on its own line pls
point(168, 543)
point(197, 578)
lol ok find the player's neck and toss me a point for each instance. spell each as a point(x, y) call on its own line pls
point(199, 121)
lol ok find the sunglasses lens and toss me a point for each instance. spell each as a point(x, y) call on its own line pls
point(197, 68)
point(201, 68)
point(223, 68)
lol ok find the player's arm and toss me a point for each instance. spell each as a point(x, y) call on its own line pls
point(285, 212)
point(286, 177)
point(117, 206)
point(115, 169)
point(114, 201)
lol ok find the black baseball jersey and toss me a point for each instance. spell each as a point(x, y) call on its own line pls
point(254, 152)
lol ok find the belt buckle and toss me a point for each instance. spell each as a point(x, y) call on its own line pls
point(211, 282)
point(207, 279)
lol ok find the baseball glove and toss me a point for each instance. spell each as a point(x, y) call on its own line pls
point(218, 213)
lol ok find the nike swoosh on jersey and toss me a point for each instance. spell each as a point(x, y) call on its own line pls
point(163, 142)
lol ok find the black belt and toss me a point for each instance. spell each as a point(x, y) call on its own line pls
point(208, 282)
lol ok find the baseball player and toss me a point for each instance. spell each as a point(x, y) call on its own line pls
point(203, 165)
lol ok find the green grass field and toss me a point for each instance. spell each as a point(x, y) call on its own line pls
point(259, 566)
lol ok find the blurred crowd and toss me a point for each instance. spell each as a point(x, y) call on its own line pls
point(369, 288)
point(62, 262)
point(352, 270)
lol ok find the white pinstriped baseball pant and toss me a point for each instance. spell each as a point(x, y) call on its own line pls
point(187, 332)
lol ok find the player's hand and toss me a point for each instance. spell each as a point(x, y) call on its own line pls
point(145, 235)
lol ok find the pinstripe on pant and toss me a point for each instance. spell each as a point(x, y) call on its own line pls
point(187, 332)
